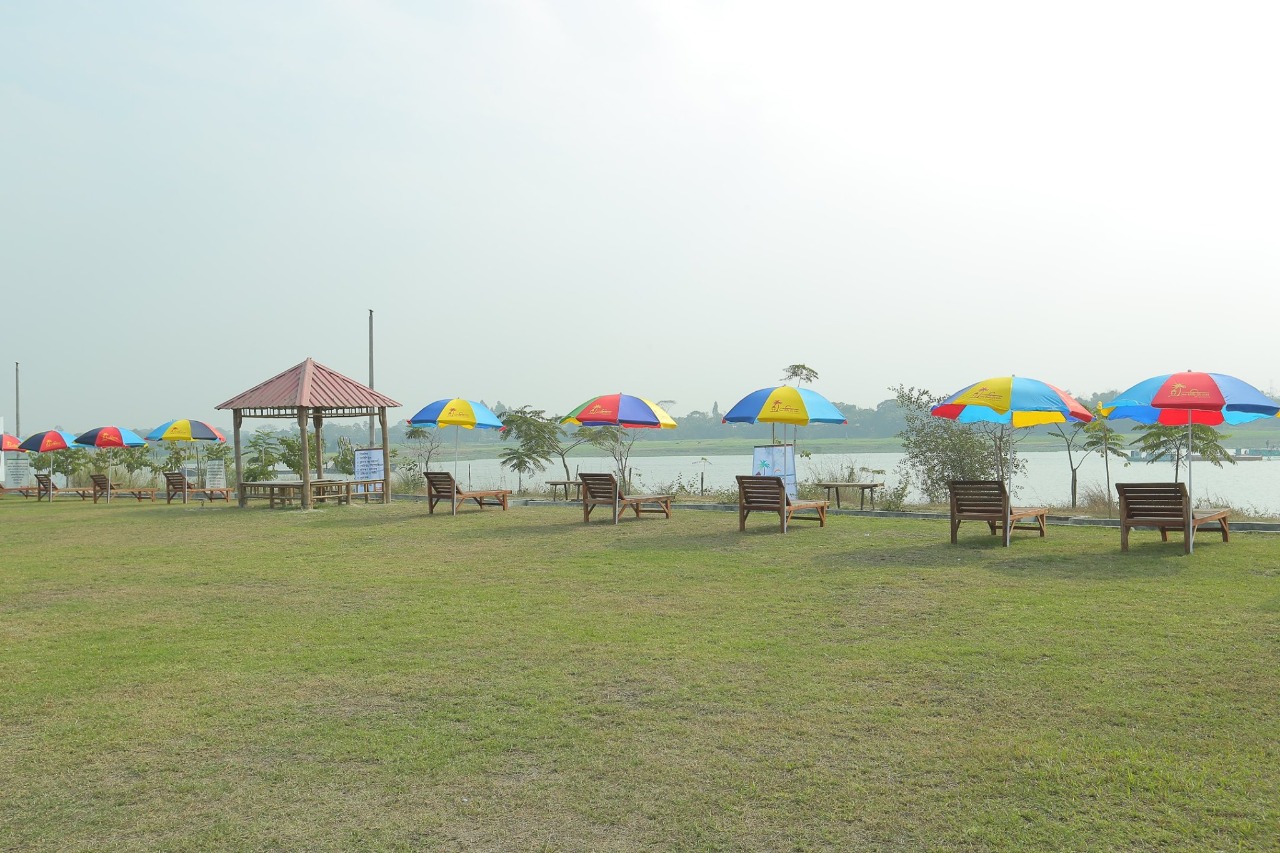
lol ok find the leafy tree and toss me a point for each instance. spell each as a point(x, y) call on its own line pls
point(521, 461)
point(1100, 438)
point(263, 454)
point(800, 373)
point(1160, 441)
point(543, 438)
point(291, 453)
point(424, 443)
point(345, 460)
point(938, 450)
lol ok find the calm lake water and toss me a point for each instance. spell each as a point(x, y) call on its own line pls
point(1048, 479)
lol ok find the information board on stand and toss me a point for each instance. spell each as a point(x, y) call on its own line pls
point(777, 460)
point(368, 466)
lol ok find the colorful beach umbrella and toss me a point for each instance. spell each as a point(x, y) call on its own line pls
point(10, 443)
point(107, 437)
point(49, 441)
point(459, 413)
point(1191, 398)
point(621, 410)
point(185, 430)
point(1016, 401)
point(784, 404)
point(110, 436)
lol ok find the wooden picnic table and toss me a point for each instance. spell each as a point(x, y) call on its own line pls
point(285, 492)
point(862, 488)
point(576, 484)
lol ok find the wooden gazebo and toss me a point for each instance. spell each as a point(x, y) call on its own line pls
point(310, 391)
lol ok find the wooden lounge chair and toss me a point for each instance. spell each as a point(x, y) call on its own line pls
point(441, 487)
point(103, 487)
point(602, 490)
point(757, 493)
point(46, 490)
point(988, 501)
point(25, 491)
point(1164, 506)
point(176, 485)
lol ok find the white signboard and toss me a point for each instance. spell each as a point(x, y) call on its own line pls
point(190, 471)
point(369, 466)
point(215, 473)
point(16, 470)
point(776, 460)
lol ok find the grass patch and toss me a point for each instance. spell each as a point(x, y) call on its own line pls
point(375, 678)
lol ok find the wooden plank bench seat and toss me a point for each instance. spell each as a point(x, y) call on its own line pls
point(762, 493)
point(441, 487)
point(176, 485)
point(103, 487)
point(603, 490)
point(988, 501)
point(46, 490)
point(1165, 506)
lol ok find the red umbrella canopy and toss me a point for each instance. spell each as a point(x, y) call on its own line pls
point(10, 443)
point(49, 440)
point(110, 436)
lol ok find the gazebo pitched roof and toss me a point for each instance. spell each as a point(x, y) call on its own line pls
point(312, 385)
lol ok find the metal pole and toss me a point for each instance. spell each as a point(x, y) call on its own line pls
point(17, 403)
point(1191, 501)
point(371, 372)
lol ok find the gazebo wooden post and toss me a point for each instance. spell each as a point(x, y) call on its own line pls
point(318, 420)
point(306, 457)
point(237, 418)
point(386, 457)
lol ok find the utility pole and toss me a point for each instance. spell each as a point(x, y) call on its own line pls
point(17, 403)
point(371, 419)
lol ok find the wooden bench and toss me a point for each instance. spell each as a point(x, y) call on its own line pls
point(1165, 506)
point(440, 486)
point(603, 490)
point(176, 485)
point(25, 491)
point(576, 485)
point(862, 488)
point(45, 488)
point(762, 493)
point(102, 486)
point(988, 501)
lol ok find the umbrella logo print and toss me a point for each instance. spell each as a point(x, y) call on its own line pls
point(779, 406)
point(1179, 389)
point(985, 393)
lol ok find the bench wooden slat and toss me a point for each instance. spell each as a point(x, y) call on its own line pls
point(441, 486)
point(763, 493)
point(988, 501)
point(603, 490)
point(1165, 506)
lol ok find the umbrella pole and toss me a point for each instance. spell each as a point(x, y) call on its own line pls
point(455, 469)
point(1191, 511)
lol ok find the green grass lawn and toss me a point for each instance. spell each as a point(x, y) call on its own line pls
point(377, 678)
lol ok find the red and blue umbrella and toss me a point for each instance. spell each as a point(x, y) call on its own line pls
point(10, 443)
point(1190, 398)
point(784, 404)
point(48, 441)
point(110, 436)
point(621, 410)
point(1014, 400)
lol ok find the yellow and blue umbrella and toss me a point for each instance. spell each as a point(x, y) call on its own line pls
point(460, 413)
point(185, 430)
point(784, 404)
point(1013, 400)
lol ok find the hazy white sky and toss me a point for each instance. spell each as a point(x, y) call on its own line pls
point(543, 201)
